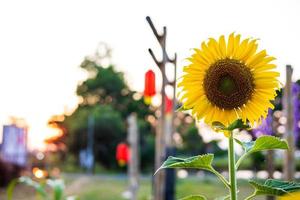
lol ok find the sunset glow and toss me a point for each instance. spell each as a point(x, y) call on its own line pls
point(41, 51)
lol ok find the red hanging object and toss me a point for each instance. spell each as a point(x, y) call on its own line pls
point(169, 105)
point(122, 154)
point(149, 90)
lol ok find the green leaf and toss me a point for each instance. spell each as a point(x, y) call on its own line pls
point(182, 109)
point(245, 145)
point(194, 197)
point(274, 187)
point(58, 187)
point(196, 162)
point(223, 198)
point(266, 142)
point(218, 126)
point(262, 143)
point(10, 188)
point(38, 187)
point(239, 142)
point(237, 124)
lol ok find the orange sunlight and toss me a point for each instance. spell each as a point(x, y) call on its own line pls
point(35, 117)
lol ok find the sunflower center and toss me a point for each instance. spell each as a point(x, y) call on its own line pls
point(228, 84)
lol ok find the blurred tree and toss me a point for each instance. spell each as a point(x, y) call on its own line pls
point(192, 141)
point(109, 130)
point(107, 86)
point(106, 96)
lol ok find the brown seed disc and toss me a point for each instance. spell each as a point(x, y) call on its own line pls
point(228, 84)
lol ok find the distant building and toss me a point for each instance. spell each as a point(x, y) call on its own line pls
point(14, 145)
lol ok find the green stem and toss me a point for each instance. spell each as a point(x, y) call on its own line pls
point(251, 196)
point(240, 160)
point(232, 169)
point(226, 183)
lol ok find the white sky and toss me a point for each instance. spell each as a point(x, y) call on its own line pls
point(43, 42)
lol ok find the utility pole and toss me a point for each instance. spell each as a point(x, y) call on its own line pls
point(289, 162)
point(133, 167)
point(163, 133)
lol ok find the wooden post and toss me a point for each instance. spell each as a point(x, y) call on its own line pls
point(133, 167)
point(170, 147)
point(160, 138)
point(289, 162)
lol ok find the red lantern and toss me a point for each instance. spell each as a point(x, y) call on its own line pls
point(149, 91)
point(122, 154)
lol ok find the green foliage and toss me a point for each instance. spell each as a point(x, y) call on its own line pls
point(39, 187)
point(192, 143)
point(111, 188)
point(194, 197)
point(213, 147)
point(265, 142)
point(182, 108)
point(103, 82)
point(262, 143)
point(106, 97)
point(147, 143)
point(223, 198)
point(57, 186)
point(10, 189)
point(196, 162)
point(218, 126)
point(107, 86)
point(236, 124)
point(109, 130)
point(274, 187)
point(270, 187)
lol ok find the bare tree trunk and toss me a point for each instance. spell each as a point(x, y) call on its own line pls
point(160, 138)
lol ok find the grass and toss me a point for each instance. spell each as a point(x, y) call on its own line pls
point(111, 188)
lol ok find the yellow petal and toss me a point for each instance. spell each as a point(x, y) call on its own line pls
point(193, 100)
point(264, 67)
point(262, 84)
point(209, 118)
point(222, 46)
point(267, 74)
point(242, 48)
point(250, 50)
point(204, 57)
point(236, 45)
point(264, 61)
point(207, 52)
point(213, 45)
point(256, 58)
point(230, 46)
point(200, 109)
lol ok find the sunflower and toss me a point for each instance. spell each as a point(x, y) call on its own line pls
point(292, 196)
point(226, 81)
